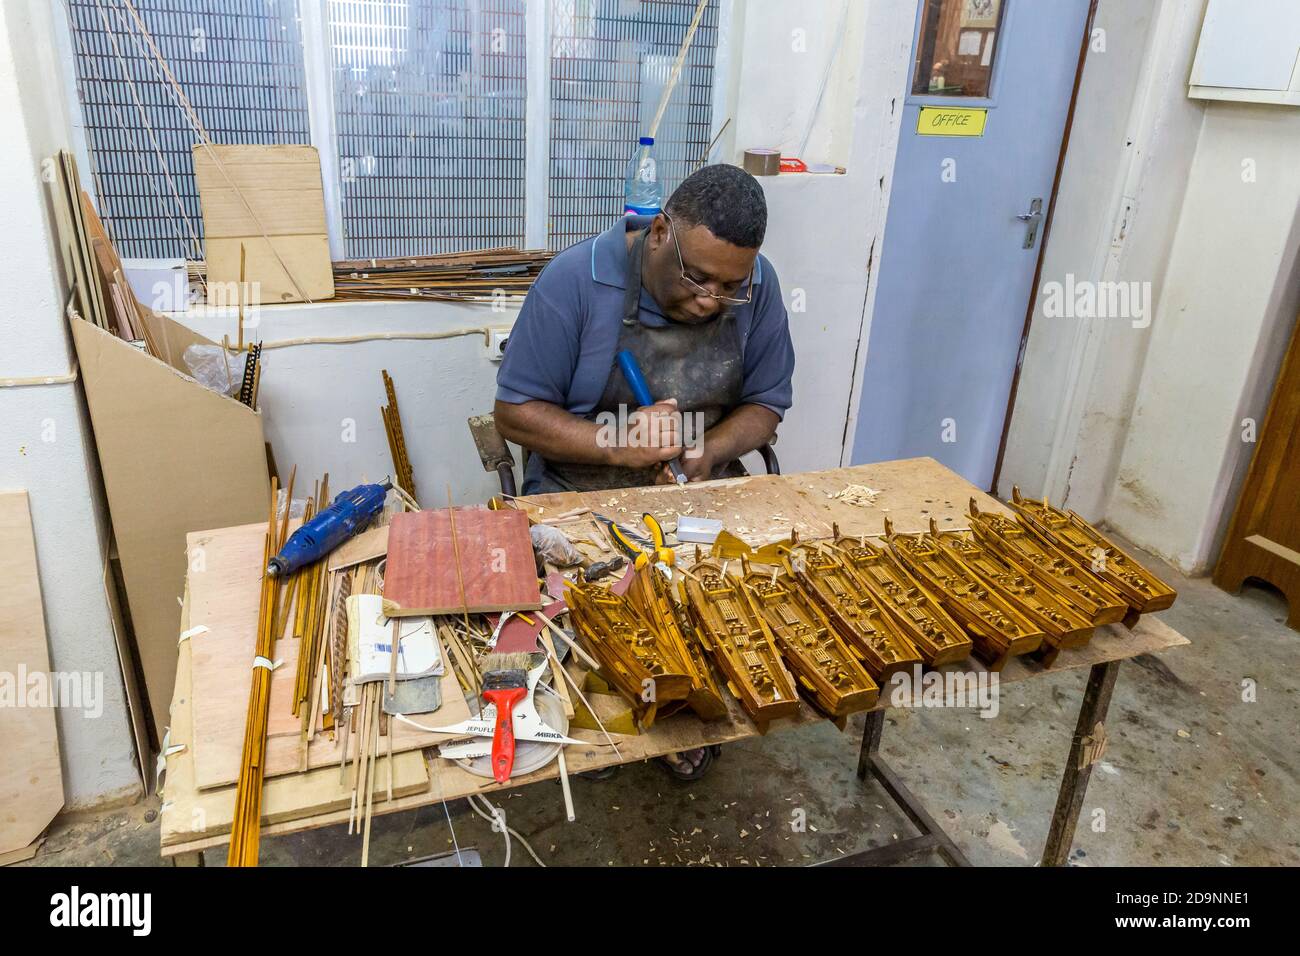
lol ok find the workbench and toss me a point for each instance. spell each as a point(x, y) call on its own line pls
point(758, 509)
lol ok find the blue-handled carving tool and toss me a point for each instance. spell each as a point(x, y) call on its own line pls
point(641, 391)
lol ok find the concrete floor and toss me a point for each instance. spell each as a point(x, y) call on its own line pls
point(1193, 776)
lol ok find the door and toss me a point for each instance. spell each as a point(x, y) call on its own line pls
point(981, 135)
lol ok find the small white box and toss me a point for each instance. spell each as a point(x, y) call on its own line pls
point(698, 530)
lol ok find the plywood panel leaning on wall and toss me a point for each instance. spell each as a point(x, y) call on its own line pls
point(267, 200)
point(176, 457)
point(31, 779)
point(1264, 538)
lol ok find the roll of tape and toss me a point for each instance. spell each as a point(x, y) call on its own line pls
point(762, 162)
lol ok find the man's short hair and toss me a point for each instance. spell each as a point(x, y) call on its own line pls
point(724, 199)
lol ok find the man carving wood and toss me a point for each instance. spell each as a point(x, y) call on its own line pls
point(686, 292)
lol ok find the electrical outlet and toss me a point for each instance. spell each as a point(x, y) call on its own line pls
point(497, 339)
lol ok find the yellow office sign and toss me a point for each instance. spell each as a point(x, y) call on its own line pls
point(951, 121)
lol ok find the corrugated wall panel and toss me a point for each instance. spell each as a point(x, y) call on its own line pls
point(240, 64)
point(610, 60)
point(429, 107)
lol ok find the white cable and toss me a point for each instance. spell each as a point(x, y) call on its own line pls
point(495, 820)
point(499, 816)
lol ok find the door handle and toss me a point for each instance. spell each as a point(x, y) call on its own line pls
point(1032, 219)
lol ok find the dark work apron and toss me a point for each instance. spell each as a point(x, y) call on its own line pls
point(699, 365)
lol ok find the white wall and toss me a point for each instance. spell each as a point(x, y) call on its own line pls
point(1140, 428)
point(824, 231)
point(1228, 305)
point(321, 402)
point(45, 443)
point(1121, 190)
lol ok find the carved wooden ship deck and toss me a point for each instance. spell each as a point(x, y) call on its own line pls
point(631, 655)
point(1063, 625)
point(1015, 543)
point(651, 594)
point(823, 663)
point(1088, 548)
point(998, 630)
point(857, 614)
point(938, 638)
point(739, 641)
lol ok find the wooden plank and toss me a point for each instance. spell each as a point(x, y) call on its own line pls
point(31, 778)
point(270, 201)
point(496, 562)
point(187, 810)
point(366, 546)
point(223, 597)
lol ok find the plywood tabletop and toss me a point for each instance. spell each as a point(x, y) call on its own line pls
point(909, 492)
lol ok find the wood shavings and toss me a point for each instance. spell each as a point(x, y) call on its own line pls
point(855, 495)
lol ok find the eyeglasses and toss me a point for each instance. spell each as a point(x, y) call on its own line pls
point(698, 289)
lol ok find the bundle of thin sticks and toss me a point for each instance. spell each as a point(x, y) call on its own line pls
point(100, 291)
point(246, 830)
point(483, 274)
point(396, 438)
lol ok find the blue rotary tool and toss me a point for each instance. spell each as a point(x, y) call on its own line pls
point(641, 391)
point(350, 512)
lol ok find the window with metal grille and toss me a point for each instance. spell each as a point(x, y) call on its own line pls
point(240, 62)
point(610, 62)
point(430, 98)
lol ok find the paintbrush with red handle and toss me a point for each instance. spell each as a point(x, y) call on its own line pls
point(505, 684)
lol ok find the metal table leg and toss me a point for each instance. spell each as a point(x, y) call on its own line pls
point(932, 835)
point(1084, 751)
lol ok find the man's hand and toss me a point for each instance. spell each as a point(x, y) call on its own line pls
point(696, 464)
point(654, 435)
point(741, 430)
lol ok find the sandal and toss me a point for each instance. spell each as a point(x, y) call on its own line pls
point(696, 771)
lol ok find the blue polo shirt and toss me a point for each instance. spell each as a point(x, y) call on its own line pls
point(562, 346)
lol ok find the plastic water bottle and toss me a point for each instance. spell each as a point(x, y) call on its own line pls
point(643, 193)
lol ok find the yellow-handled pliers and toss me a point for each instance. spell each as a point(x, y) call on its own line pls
point(663, 556)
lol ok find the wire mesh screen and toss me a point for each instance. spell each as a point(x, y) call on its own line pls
point(610, 62)
point(430, 100)
point(239, 62)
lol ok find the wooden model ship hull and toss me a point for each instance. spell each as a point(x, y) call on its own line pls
point(631, 656)
point(651, 594)
point(823, 664)
point(1088, 548)
point(857, 614)
point(938, 638)
point(1063, 626)
point(740, 643)
point(1011, 540)
point(997, 629)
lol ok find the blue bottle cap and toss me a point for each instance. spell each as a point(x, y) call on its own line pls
point(647, 140)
